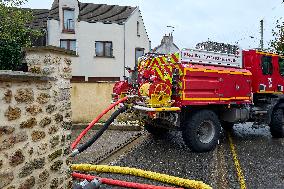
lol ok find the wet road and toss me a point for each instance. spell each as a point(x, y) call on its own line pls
point(260, 159)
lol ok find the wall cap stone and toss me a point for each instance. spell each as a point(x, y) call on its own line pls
point(53, 49)
point(8, 75)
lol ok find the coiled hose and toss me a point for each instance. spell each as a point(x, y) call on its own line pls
point(100, 132)
point(141, 173)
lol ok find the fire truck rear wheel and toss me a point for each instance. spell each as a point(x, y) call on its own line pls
point(277, 124)
point(154, 130)
point(202, 131)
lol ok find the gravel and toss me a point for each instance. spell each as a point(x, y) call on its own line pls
point(109, 140)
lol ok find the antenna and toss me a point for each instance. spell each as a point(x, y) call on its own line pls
point(261, 34)
point(173, 29)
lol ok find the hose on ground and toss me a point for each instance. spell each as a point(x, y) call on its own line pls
point(119, 182)
point(100, 132)
point(141, 173)
point(84, 132)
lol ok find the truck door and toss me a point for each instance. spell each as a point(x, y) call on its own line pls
point(268, 79)
point(279, 62)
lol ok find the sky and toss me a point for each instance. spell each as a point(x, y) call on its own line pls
point(227, 21)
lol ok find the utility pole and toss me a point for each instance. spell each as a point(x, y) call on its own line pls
point(261, 34)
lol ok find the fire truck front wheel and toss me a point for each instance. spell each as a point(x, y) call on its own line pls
point(277, 124)
point(201, 131)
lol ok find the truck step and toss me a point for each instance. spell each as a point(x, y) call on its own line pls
point(257, 112)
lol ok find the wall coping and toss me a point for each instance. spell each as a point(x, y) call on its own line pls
point(53, 49)
point(8, 75)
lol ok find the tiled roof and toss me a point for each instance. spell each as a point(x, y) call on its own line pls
point(40, 18)
point(89, 12)
point(54, 11)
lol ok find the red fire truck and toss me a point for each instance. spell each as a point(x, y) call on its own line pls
point(199, 92)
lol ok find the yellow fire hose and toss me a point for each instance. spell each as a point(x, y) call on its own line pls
point(141, 173)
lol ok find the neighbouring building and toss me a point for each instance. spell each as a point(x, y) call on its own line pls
point(106, 38)
point(167, 45)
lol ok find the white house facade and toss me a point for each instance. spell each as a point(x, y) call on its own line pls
point(106, 38)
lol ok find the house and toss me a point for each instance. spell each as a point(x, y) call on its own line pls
point(167, 45)
point(106, 38)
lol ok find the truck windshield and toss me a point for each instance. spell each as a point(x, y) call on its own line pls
point(281, 66)
point(266, 65)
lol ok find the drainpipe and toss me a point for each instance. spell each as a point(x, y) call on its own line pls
point(47, 32)
point(124, 50)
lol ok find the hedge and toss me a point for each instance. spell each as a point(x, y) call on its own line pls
point(10, 55)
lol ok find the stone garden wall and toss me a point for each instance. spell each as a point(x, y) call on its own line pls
point(35, 122)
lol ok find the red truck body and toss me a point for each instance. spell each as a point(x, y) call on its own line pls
point(203, 85)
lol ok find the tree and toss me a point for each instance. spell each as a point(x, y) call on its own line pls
point(14, 33)
point(278, 33)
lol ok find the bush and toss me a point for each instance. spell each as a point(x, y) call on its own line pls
point(10, 55)
point(14, 33)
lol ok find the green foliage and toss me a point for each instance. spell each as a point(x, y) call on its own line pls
point(12, 3)
point(278, 33)
point(14, 33)
point(10, 55)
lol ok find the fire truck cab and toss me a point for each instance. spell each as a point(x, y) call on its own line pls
point(267, 71)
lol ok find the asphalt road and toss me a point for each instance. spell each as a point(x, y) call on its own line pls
point(260, 159)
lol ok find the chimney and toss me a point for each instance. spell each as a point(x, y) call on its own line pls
point(167, 39)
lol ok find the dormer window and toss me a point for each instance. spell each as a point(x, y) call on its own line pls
point(68, 20)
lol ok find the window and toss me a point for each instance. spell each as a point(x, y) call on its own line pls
point(281, 66)
point(138, 29)
point(104, 49)
point(68, 20)
point(266, 65)
point(68, 44)
point(138, 53)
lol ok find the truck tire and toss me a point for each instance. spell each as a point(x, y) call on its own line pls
point(202, 131)
point(277, 124)
point(154, 130)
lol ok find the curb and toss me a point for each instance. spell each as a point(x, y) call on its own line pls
point(114, 127)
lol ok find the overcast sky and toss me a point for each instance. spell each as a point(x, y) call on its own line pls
point(195, 21)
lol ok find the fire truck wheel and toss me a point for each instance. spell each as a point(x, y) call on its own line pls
point(156, 131)
point(202, 131)
point(277, 124)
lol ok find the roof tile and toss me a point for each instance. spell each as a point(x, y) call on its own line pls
point(89, 12)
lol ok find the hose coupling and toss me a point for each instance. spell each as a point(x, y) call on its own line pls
point(74, 153)
point(94, 184)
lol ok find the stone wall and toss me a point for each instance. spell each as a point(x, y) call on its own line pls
point(35, 122)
